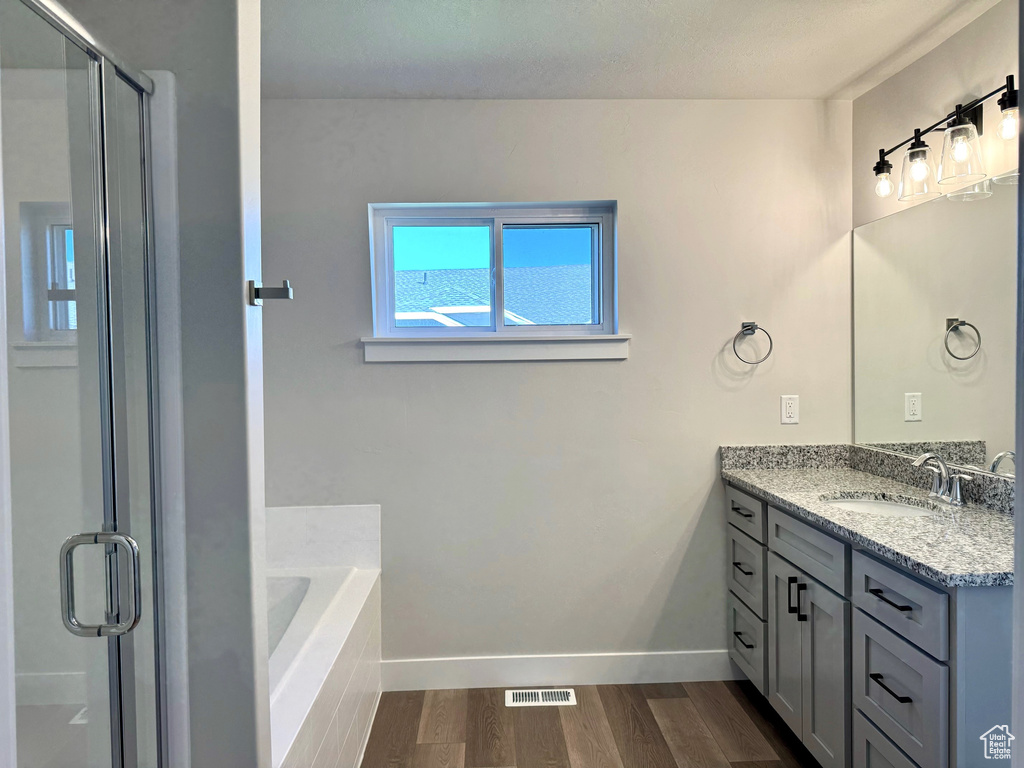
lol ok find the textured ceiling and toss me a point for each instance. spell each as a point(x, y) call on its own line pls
point(597, 48)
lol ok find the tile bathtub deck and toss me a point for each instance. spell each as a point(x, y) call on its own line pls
point(964, 547)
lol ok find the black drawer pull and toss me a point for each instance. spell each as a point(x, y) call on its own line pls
point(800, 588)
point(739, 567)
point(789, 594)
point(739, 636)
point(878, 679)
point(741, 511)
point(878, 593)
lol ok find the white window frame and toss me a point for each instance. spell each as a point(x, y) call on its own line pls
point(600, 215)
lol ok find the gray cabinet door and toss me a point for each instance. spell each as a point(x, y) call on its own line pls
point(825, 650)
point(785, 659)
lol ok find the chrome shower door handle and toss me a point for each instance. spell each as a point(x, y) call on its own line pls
point(67, 585)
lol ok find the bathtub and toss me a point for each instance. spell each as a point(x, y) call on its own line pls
point(324, 640)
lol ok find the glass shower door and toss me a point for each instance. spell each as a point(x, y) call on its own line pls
point(79, 390)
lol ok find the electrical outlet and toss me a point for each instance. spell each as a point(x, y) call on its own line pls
point(791, 409)
point(912, 406)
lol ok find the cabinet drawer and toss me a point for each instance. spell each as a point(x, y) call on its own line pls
point(746, 513)
point(747, 563)
point(909, 607)
point(872, 750)
point(902, 691)
point(809, 549)
point(748, 641)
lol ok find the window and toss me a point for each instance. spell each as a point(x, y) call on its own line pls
point(50, 310)
point(63, 309)
point(509, 271)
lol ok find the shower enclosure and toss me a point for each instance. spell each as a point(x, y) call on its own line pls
point(80, 637)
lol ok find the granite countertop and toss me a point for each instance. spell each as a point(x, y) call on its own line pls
point(958, 547)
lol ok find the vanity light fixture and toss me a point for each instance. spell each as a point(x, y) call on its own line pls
point(884, 186)
point(917, 181)
point(1010, 122)
point(960, 161)
point(978, 191)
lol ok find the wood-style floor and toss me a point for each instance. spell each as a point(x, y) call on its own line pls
point(665, 725)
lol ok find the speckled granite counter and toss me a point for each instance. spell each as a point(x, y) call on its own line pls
point(966, 546)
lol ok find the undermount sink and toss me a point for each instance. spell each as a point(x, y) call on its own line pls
point(880, 507)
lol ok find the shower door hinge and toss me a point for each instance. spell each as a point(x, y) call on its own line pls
point(257, 293)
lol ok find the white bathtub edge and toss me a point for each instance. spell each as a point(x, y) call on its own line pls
point(293, 702)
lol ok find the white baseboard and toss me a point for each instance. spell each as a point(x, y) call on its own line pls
point(50, 688)
point(556, 669)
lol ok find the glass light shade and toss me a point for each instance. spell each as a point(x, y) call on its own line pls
point(1013, 177)
point(918, 181)
point(1008, 123)
point(884, 186)
point(978, 191)
point(961, 159)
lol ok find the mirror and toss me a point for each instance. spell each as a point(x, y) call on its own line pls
point(935, 308)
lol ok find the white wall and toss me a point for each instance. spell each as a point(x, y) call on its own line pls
point(566, 507)
point(971, 63)
point(911, 272)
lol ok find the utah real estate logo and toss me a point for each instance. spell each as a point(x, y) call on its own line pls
point(997, 742)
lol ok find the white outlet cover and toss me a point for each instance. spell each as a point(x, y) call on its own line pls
point(913, 408)
point(790, 409)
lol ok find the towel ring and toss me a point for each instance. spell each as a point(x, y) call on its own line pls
point(749, 329)
point(955, 324)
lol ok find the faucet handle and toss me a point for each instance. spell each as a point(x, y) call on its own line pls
point(956, 495)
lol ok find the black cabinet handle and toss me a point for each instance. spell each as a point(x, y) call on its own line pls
point(741, 511)
point(878, 593)
point(789, 594)
point(739, 636)
point(800, 588)
point(739, 567)
point(878, 679)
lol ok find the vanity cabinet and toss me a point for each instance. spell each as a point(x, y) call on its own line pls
point(788, 631)
point(807, 660)
point(869, 665)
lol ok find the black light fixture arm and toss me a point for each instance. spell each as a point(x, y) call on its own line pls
point(960, 110)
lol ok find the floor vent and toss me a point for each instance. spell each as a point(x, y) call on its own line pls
point(541, 697)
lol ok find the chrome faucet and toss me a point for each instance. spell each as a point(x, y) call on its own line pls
point(940, 483)
point(994, 466)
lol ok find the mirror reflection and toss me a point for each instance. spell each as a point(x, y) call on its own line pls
point(935, 328)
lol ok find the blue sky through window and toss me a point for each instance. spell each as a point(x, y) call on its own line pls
point(443, 276)
point(427, 248)
point(546, 246)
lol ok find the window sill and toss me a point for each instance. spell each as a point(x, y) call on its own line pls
point(43, 354)
point(497, 348)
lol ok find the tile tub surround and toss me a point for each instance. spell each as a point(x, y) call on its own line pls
point(324, 536)
point(968, 546)
point(333, 711)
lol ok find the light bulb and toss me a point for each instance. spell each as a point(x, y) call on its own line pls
point(1008, 125)
point(919, 170)
point(884, 186)
point(961, 150)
